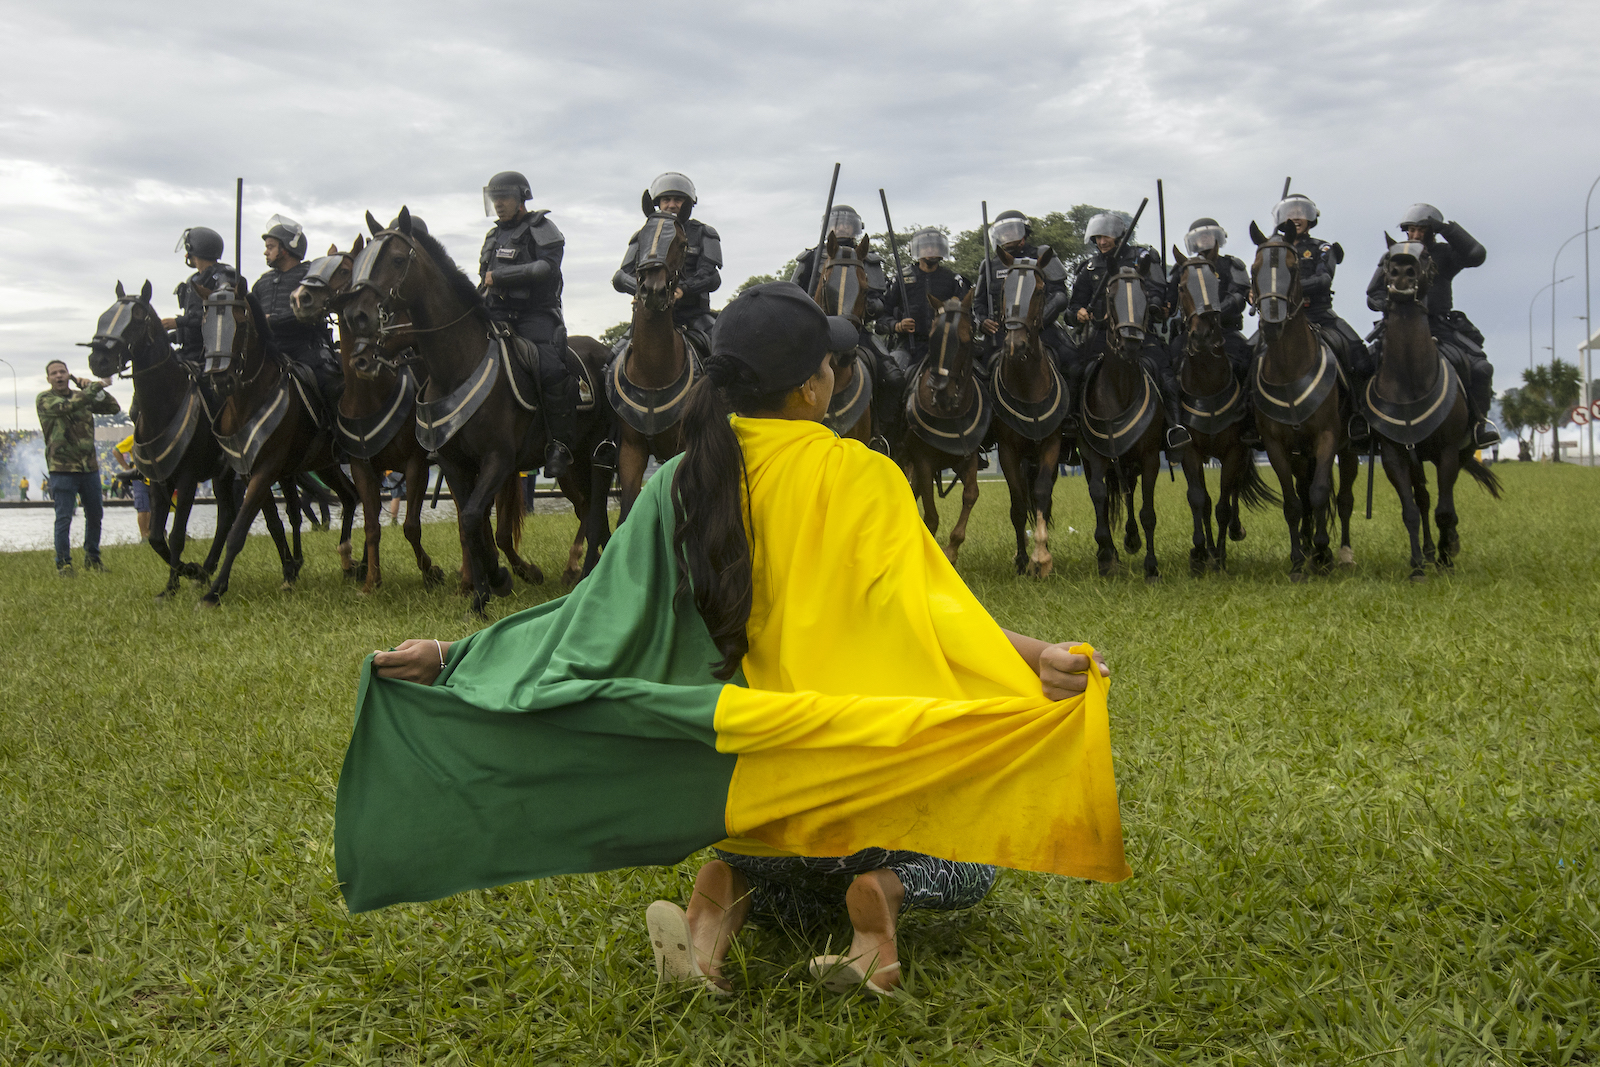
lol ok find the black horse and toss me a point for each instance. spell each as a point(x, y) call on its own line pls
point(1417, 407)
point(1215, 411)
point(172, 441)
point(265, 427)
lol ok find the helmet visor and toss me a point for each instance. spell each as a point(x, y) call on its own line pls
point(1205, 239)
point(929, 244)
point(1294, 208)
point(1008, 231)
point(491, 193)
point(843, 222)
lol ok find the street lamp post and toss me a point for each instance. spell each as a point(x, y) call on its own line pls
point(16, 419)
point(1555, 430)
point(1535, 300)
point(1588, 323)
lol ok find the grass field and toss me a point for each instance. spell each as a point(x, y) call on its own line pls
point(1361, 815)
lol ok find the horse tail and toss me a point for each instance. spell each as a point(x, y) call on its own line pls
point(1481, 474)
point(510, 503)
point(1114, 493)
point(1254, 492)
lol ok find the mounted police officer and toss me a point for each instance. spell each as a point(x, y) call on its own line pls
point(924, 276)
point(202, 249)
point(1458, 339)
point(845, 224)
point(1103, 231)
point(284, 247)
point(674, 194)
point(1012, 232)
point(1205, 239)
point(521, 269)
point(1318, 261)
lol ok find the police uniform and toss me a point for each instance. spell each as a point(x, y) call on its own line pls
point(523, 256)
point(1458, 339)
point(941, 284)
point(305, 343)
point(192, 308)
point(1318, 261)
point(805, 276)
point(1233, 285)
point(702, 276)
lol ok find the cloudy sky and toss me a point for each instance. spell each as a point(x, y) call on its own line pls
point(121, 124)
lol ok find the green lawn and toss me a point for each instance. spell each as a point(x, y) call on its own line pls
point(1361, 815)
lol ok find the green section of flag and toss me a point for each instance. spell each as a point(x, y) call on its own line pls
point(579, 737)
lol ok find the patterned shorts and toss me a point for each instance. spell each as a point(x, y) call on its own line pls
point(807, 891)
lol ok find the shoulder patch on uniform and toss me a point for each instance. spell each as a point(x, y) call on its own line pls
point(1306, 254)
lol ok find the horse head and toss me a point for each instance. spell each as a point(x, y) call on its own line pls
point(233, 329)
point(1408, 270)
point(950, 351)
point(128, 331)
point(841, 285)
point(1200, 294)
point(662, 247)
point(1274, 281)
point(1022, 302)
point(326, 280)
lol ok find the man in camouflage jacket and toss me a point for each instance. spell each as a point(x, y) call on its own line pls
point(66, 419)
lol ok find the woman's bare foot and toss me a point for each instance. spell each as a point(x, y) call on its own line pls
point(873, 901)
point(718, 908)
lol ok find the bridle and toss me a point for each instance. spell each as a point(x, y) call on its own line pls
point(109, 336)
point(389, 321)
point(1276, 261)
point(1203, 288)
point(843, 260)
point(657, 241)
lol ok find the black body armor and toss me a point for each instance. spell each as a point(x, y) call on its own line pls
point(191, 308)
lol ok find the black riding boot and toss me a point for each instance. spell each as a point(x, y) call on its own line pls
point(1177, 434)
point(560, 421)
point(1480, 394)
point(1359, 429)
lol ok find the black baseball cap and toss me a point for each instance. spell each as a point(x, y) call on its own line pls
point(780, 333)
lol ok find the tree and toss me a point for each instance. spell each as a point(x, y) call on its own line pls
point(1553, 391)
point(613, 334)
point(1514, 412)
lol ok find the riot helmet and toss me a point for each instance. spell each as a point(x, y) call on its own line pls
point(845, 223)
point(288, 233)
point(200, 242)
point(929, 243)
point(1009, 227)
point(508, 183)
point(1295, 206)
point(1106, 224)
point(1422, 216)
point(1205, 235)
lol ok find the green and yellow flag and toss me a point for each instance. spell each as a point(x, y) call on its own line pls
point(879, 705)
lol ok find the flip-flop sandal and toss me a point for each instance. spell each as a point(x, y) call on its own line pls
point(673, 946)
point(841, 974)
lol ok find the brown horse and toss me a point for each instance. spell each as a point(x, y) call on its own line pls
point(1124, 426)
point(840, 288)
point(265, 426)
point(648, 384)
point(947, 414)
point(1215, 411)
point(1301, 408)
point(1030, 403)
point(376, 421)
point(1417, 407)
point(172, 441)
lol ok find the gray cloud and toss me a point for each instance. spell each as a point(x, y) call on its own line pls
point(120, 125)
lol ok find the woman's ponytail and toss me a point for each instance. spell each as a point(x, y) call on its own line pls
point(708, 497)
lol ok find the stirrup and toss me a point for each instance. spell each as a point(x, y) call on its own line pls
point(557, 460)
point(1177, 437)
point(1359, 429)
point(605, 454)
point(1485, 434)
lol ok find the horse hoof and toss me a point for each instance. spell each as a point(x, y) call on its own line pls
point(1236, 531)
point(432, 577)
point(287, 586)
point(1152, 579)
point(207, 603)
point(1419, 576)
point(1347, 556)
point(501, 586)
point(569, 577)
point(1131, 544)
point(1297, 576)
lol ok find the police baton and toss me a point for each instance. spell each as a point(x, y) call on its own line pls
point(988, 269)
point(438, 487)
point(894, 246)
point(822, 238)
point(238, 227)
point(1116, 250)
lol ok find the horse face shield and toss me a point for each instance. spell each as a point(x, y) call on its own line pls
point(219, 329)
point(660, 244)
point(1021, 285)
point(1128, 305)
point(842, 293)
point(1200, 283)
point(1274, 284)
point(108, 351)
point(309, 301)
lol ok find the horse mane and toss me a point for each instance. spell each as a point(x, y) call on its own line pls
point(258, 318)
point(464, 287)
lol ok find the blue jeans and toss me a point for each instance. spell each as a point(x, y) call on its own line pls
point(65, 489)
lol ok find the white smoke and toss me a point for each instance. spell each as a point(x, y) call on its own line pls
point(27, 460)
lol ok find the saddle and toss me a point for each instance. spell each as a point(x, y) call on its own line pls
point(955, 435)
point(1293, 403)
point(1035, 419)
point(1113, 437)
point(522, 363)
point(1410, 422)
point(305, 383)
